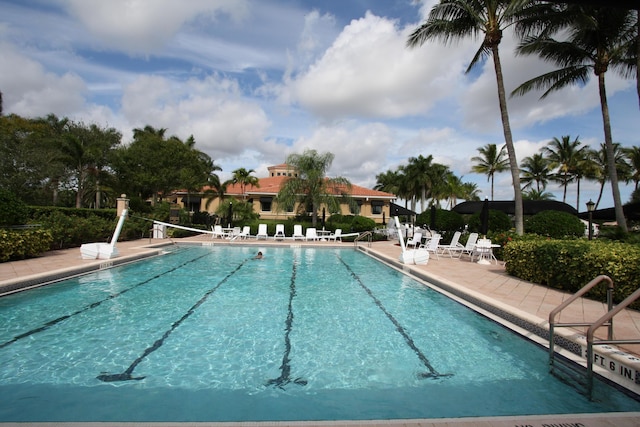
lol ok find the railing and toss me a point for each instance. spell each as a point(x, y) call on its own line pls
point(558, 309)
point(607, 318)
point(361, 236)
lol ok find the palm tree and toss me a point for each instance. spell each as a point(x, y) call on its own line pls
point(455, 19)
point(388, 181)
point(597, 40)
point(534, 194)
point(601, 162)
point(310, 187)
point(418, 171)
point(564, 155)
point(470, 191)
point(535, 169)
point(243, 177)
point(491, 162)
point(633, 156)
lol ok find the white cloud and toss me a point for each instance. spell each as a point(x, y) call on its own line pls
point(29, 90)
point(144, 26)
point(212, 109)
point(369, 71)
point(360, 150)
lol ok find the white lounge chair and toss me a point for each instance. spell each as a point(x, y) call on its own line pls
point(311, 234)
point(453, 245)
point(415, 241)
point(217, 232)
point(470, 246)
point(262, 232)
point(279, 232)
point(433, 244)
point(297, 232)
point(246, 232)
point(337, 235)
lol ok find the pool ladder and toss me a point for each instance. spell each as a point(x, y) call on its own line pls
point(361, 236)
point(605, 320)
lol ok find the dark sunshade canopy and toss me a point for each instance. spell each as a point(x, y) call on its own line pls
point(397, 210)
point(631, 213)
point(530, 207)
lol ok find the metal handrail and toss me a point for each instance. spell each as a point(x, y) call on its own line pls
point(591, 340)
point(361, 236)
point(586, 288)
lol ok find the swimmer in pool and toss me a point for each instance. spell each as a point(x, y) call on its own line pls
point(259, 256)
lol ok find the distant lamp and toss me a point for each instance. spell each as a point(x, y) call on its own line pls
point(590, 207)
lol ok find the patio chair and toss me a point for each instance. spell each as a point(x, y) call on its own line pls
point(246, 232)
point(311, 234)
point(217, 232)
point(297, 232)
point(415, 241)
point(262, 232)
point(433, 244)
point(453, 245)
point(470, 246)
point(279, 232)
point(337, 235)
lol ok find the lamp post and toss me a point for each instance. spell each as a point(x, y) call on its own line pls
point(590, 207)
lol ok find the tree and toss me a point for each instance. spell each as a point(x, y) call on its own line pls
point(243, 177)
point(633, 156)
point(419, 172)
point(454, 19)
point(601, 163)
point(597, 40)
point(491, 162)
point(310, 187)
point(152, 164)
point(534, 194)
point(535, 169)
point(564, 155)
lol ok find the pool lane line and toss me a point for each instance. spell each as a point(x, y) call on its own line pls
point(285, 367)
point(95, 304)
point(433, 373)
point(127, 374)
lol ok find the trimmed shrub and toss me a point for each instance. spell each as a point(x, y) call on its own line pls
point(21, 244)
point(555, 224)
point(571, 264)
point(498, 221)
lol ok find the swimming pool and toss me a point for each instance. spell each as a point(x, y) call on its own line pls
point(209, 334)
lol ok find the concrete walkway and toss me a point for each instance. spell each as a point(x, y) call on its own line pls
point(487, 286)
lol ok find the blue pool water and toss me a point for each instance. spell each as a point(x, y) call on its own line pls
point(210, 334)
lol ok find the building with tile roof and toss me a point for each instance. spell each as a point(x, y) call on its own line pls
point(372, 204)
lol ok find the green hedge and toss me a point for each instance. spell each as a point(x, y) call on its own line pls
point(21, 244)
point(571, 264)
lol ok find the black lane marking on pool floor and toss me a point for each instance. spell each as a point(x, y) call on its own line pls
point(53, 322)
point(285, 367)
point(126, 375)
point(432, 371)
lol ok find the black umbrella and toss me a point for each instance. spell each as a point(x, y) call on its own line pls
point(484, 218)
point(230, 215)
point(323, 215)
point(383, 218)
point(432, 222)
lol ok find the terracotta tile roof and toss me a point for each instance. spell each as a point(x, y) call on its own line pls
point(271, 186)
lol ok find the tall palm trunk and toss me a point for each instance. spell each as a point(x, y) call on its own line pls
point(611, 159)
point(508, 139)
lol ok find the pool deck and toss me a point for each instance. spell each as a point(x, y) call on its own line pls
point(488, 284)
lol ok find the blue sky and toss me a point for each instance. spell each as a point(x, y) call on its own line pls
point(256, 80)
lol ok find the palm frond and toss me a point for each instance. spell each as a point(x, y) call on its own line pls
point(554, 80)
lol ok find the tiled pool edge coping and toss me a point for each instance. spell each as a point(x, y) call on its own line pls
point(573, 343)
point(41, 279)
